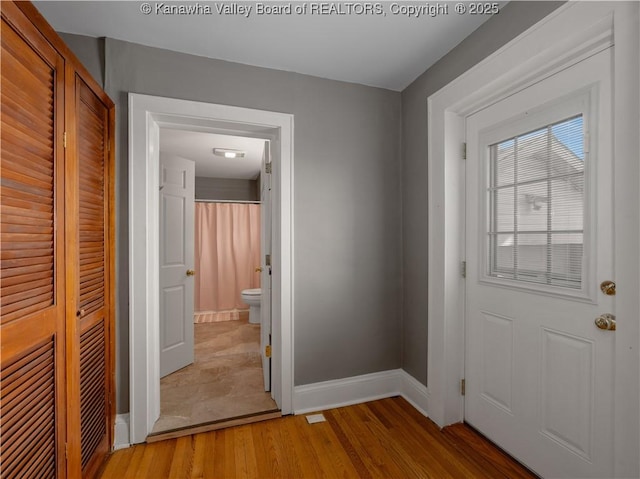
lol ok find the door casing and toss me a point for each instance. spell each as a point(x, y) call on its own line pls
point(569, 34)
point(146, 115)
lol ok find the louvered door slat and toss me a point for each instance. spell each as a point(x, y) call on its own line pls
point(23, 193)
point(28, 272)
point(92, 390)
point(27, 398)
point(27, 172)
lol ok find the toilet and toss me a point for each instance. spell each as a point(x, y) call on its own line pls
point(252, 297)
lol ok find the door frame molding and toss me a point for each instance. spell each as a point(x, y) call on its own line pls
point(146, 115)
point(571, 33)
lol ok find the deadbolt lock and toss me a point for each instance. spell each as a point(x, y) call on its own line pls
point(608, 288)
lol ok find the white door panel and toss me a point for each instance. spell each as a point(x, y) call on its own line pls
point(177, 186)
point(539, 373)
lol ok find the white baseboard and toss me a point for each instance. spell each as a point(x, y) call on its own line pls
point(121, 436)
point(359, 389)
point(415, 393)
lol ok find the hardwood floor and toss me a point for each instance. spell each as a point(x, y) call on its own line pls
point(381, 439)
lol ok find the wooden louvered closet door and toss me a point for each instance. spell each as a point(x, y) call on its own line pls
point(32, 328)
point(56, 256)
point(89, 396)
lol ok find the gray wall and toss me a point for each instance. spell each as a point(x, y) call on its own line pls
point(90, 51)
point(513, 19)
point(226, 189)
point(346, 203)
point(359, 207)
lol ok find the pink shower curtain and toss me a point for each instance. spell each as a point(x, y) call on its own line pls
point(227, 253)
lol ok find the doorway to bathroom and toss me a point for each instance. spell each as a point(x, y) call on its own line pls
point(215, 321)
point(147, 114)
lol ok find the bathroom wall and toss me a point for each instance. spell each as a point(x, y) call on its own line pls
point(227, 189)
point(512, 20)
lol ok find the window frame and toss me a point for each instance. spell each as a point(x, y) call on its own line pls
point(581, 103)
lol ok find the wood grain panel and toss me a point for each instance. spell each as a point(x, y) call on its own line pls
point(26, 179)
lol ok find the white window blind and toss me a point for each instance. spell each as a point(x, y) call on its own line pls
point(536, 205)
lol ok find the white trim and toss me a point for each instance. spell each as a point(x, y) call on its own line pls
point(360, 389)
point(121, 432)
point(345, 392)
point(146, 115)
point(571, 33)
point(415, 392)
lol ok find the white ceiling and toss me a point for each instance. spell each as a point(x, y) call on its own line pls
point(387, 50)
point(198, 146)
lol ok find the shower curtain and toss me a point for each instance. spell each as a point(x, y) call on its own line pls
point(227, 253)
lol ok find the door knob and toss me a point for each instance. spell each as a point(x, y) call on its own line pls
point(191, 272)
point(606, 321)
point(258, 269)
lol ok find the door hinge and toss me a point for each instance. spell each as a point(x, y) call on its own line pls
point(463, 269)
point(267, 351)
point(267, 168)
point(267, 260)
point(464, 151)
point(463, 387)
point(66, 451)
point(64, 139)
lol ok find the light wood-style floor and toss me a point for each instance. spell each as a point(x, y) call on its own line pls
point(381, 439)
point(224, 382)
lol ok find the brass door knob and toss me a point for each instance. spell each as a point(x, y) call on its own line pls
point(191, 272)
point(259, 269)
point(606, 321)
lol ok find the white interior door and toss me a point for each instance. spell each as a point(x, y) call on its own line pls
point(177, 187)
point(539, 230)
point(265, 279)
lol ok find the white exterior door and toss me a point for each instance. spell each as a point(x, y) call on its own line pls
point(177, 187)
point(265, 278)
point(539, 235)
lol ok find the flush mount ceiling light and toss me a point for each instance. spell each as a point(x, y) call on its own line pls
point(227, 153)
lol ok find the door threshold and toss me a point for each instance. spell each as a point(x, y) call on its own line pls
point(214, 425)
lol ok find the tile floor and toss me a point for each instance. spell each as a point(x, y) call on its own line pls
point(224, 382)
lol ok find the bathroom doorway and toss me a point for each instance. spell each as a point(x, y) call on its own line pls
point(226, 379)
point(147, 114)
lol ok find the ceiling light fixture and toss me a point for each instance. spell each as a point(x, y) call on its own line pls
point(227, 153)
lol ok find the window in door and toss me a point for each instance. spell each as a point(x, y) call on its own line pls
point(536, 203)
